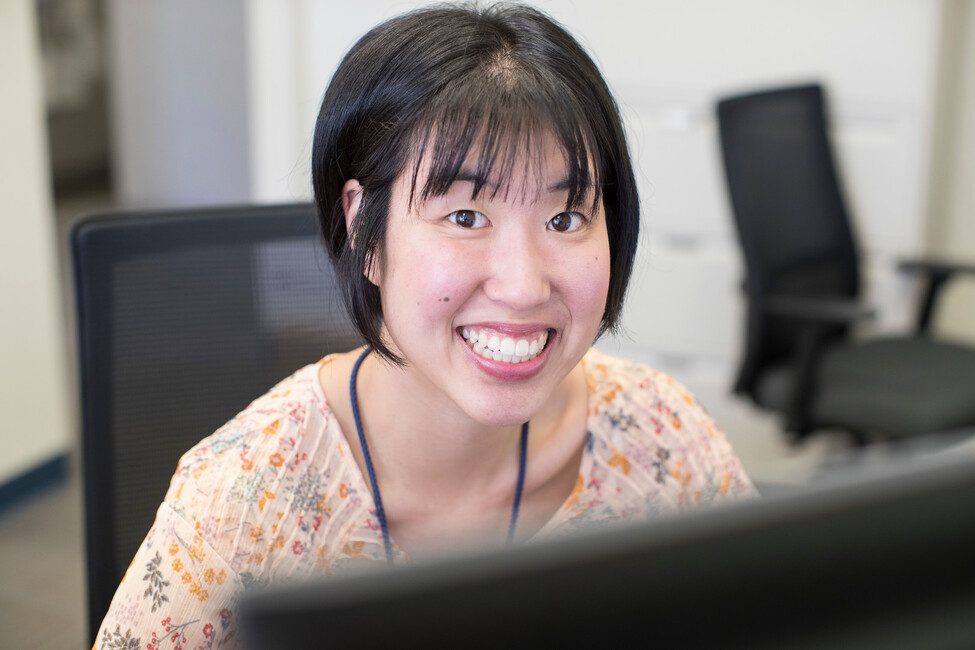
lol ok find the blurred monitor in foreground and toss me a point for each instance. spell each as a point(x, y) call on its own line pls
point(886, 561)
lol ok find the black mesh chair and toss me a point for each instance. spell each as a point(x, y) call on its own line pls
point(184, 318)
point(802, 284)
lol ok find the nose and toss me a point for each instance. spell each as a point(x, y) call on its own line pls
point(520, 273)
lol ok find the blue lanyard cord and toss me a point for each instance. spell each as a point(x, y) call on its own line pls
point(522, 462)
point(380, 512)
point(353, 394)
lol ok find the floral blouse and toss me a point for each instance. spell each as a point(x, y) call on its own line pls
point(275, 494)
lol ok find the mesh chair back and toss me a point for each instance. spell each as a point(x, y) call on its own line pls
point(789, 211)
point(184, 318)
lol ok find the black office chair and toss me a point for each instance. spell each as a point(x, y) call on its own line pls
point(802, 284)
point(184, 318)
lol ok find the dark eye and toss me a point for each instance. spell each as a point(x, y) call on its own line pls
point(467, 219)
point(566, 222)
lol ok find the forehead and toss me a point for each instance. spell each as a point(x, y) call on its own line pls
point(517, 164)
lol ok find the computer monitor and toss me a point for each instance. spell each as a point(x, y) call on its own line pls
point(883, 561)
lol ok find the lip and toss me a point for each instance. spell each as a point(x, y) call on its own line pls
point(510, 372)
point(511, 329)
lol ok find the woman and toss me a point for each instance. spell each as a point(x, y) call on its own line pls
point(477, 199)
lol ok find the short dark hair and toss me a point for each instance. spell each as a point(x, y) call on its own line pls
point(440, 81)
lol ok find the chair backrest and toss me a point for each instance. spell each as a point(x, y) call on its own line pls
point(184, 318)
point(789, 211)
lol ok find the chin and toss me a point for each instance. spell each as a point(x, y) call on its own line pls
point(511, 415)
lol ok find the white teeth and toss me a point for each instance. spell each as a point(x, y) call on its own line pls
point(507, 346)
point(504, 348)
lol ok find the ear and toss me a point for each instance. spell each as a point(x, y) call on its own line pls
point(351, 200)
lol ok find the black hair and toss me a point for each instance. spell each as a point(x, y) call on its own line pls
point(436, 83)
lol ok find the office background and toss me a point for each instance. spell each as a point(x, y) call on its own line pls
point(215, 103)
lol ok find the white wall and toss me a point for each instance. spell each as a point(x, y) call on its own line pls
point(953, 202)
point(178, 84)
point(33, 369)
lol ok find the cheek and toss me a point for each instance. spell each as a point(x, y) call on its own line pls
point(596, 284)
point(589, 286)
point(433, 279)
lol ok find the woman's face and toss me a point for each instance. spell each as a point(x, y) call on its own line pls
point(493, 301)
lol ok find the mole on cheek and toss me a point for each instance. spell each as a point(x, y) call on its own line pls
point(445, 299)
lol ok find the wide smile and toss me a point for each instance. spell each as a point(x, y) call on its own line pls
point(508, 353)
point(504, 347)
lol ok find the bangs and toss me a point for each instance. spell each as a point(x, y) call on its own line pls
point(491, 128)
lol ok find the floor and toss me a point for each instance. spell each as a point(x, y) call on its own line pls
point(42, 591)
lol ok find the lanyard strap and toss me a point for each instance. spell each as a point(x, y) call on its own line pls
point(377, 497)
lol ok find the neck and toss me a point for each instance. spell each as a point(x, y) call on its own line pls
point(445, 477)
point(422, 442)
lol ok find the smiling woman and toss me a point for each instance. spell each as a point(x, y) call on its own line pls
point(477, 200)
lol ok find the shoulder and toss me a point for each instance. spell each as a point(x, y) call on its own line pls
point(622, 385)
point(286, 410)
point(232, 485)
point(176, 588)
point(652, 426)
point(633, 406)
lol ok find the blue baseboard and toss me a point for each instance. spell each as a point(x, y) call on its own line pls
point(32, 482)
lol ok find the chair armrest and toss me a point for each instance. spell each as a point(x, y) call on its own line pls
point(937, 272)
point(836, 311)
point(935, 267)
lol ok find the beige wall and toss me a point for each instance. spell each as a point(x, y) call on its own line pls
point(33, 381)
point(179, 102)
point(951, 230)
